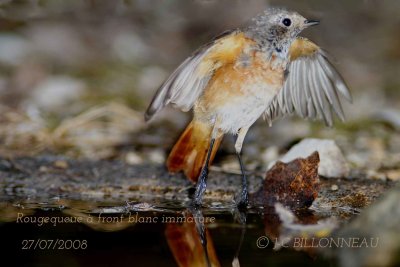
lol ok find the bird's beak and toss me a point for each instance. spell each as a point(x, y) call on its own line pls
point(311, 22)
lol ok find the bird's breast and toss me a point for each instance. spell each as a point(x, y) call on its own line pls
point(239, 93)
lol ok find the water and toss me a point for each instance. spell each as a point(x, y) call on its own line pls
point(90, 233)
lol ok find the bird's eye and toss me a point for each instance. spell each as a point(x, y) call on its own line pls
point(286, 22)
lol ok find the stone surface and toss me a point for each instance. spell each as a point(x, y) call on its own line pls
point(332, 162)
point(55, 93)
point(114, 180)
point(378, 223)
point(390, 116)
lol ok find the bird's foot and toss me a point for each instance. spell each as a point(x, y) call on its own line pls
point(196, 202)
point(200, 189)
point(242, 200)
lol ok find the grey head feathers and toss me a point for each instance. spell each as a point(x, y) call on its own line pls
point(275, 29)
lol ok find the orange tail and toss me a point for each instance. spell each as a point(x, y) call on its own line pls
point(189, 153)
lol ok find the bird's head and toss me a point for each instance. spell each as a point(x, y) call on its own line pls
point(277, 28)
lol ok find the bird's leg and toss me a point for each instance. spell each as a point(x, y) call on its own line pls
point(202, 181)
point(242, 200)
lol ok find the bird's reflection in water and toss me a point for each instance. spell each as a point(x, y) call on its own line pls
point(191, 243)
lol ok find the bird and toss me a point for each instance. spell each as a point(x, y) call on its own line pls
point(264, 69)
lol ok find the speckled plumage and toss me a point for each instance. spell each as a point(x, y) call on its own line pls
point(262, 69)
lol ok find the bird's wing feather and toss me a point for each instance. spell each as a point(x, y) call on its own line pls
point(188, 81)
point(312, 86)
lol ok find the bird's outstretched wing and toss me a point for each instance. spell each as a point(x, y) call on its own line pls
point(312, 86)
point(188, 81)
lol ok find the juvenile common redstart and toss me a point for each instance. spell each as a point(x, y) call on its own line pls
point(262, 69)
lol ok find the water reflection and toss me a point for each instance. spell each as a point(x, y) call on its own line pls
point(190, 242)
point(158, 234)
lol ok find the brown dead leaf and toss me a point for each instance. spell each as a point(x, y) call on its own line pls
point(294, 184)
